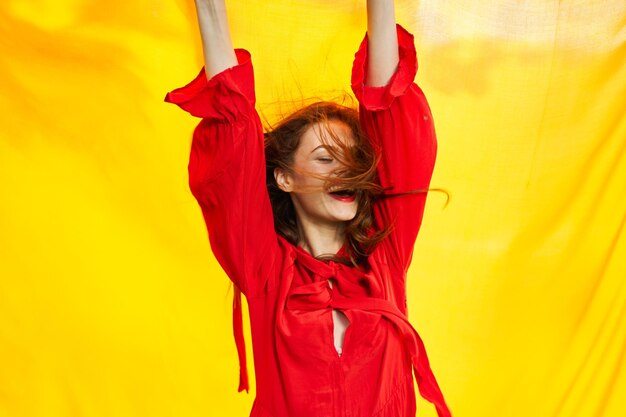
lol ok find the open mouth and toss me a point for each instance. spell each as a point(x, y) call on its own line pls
point(343, 195)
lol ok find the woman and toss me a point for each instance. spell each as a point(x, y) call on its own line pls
point(320, 236)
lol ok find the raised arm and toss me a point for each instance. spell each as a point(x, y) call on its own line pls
point(382, 49)
point(396, 117)
point(227, 164)
point(227, 158)
point(216, 41)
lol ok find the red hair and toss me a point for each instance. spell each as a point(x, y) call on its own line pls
point(358, 174)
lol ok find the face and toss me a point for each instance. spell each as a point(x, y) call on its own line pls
point(314, 204)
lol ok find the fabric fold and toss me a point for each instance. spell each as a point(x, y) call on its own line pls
point(320, 295)
point(240, 342)
point(380, 98)
point(222, 96)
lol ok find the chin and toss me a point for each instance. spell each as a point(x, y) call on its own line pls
point(345, 218)
point(343, 212)
point(351, 215)
point(327, 209)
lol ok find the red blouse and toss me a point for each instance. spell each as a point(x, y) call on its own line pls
point(298, 371)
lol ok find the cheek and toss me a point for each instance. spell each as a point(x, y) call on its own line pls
point(310, 180)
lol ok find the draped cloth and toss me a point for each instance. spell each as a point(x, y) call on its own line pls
point(111, 301)
point(348, 291)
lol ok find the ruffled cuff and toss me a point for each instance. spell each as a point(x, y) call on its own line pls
point(380, 98)
point(222, 97)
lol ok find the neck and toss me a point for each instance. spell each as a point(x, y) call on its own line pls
point(321, 239)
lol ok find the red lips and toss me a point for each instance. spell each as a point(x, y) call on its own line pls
point(343, 198)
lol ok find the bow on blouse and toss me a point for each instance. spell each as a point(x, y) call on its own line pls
point(361, 292)
point(350, 291)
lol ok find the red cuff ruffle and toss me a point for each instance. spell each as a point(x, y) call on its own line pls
point(380, 98)
point(220, 97)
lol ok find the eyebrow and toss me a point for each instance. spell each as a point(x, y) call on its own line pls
point(321, 146)
point(330, 147)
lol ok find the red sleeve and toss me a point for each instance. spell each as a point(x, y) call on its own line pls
point(398, 121)
point(227, 172)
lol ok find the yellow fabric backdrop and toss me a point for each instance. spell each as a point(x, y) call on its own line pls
point(111, 303)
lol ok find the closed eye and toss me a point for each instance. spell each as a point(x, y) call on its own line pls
point(325, 160)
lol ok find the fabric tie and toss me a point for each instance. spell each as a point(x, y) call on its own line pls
point(354, 293)
point(240, 341)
